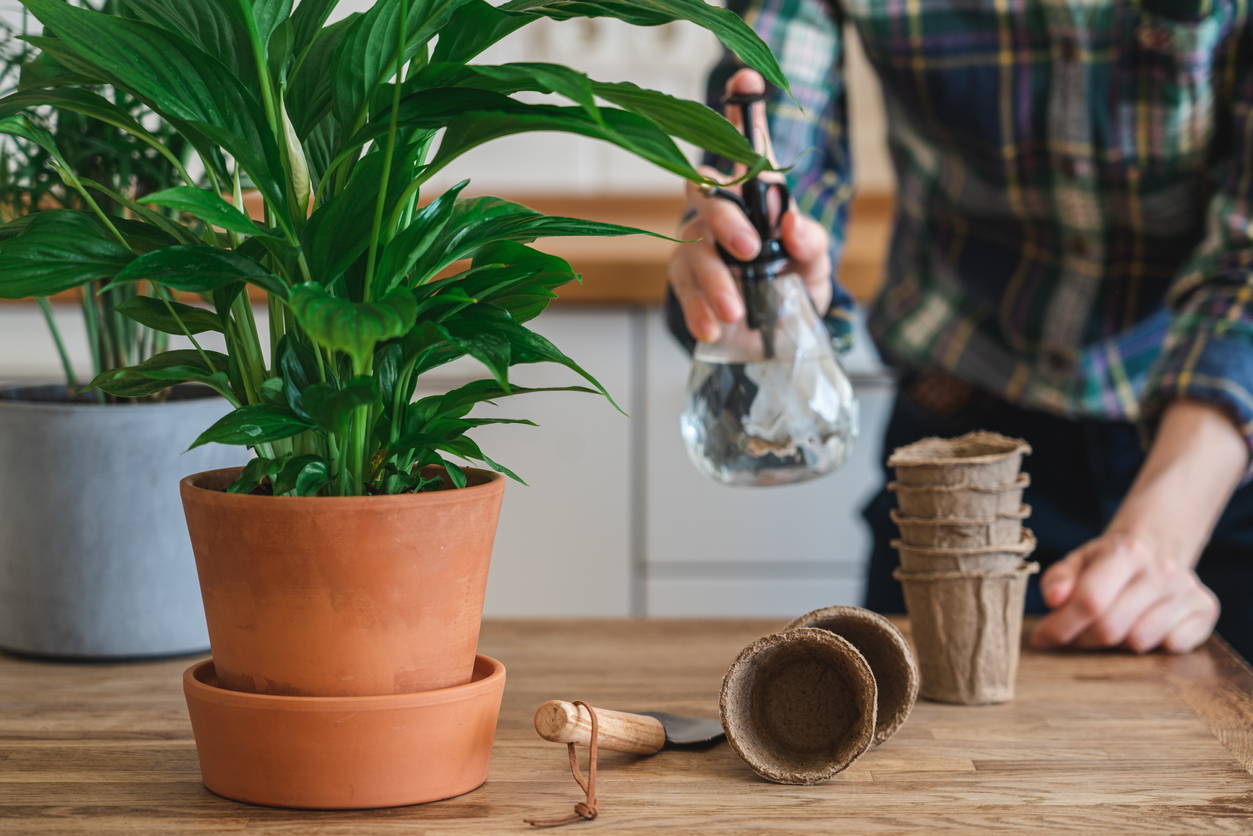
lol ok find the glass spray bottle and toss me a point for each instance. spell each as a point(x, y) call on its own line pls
point(768, 403)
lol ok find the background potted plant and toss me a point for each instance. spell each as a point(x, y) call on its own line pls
point(348, 559)
point(80, 466)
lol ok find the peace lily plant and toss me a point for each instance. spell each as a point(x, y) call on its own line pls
point(92, 154)
point(371, 280)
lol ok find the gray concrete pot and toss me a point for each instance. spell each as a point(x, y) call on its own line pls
point(95, 562)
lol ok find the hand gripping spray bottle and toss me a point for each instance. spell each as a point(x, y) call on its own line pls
point(768, 403)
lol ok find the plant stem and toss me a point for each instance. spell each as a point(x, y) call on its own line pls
point(389, 153)
point(263, 71)
point(164, 297)
point(91, 322)
point(248, 345)
point(70, 378)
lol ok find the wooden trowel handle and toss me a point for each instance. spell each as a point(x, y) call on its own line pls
point(565, 722)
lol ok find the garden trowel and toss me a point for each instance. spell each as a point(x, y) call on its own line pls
point(642, 734)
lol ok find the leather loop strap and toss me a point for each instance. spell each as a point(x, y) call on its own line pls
point(584, 810)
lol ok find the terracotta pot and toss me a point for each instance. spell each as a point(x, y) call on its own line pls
point(344, 752)
point(351, 596)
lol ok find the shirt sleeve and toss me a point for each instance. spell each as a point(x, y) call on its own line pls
point(1208, 353)
point(810, 134)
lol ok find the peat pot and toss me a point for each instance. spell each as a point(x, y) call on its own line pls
point(342, 596)
point(94, 557)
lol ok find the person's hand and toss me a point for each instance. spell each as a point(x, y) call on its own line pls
point(1123, 590)
point(1134, 586)
point(704, 287)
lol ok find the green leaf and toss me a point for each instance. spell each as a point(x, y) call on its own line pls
point(55, 251)
point(367, 55)
point(208, 206)
point(21, 125)
point(164, 370)
point(178, 79)
point(416, 240)
point(730, 29)
point(354, 328)
point(311, 90)
point(490, 349)
point(308, 18)
point(298, 366)
point(517, 279)
point(482, 221)
point(478, 25)
point(475, 26)
point(301, 476)
point(253, 474)
point(80, 101)
point(199, 270)
point(472, 117)
point(681, 118)
point(338, 233)
point(155, 313)
point(330, 408)
point(526, 345)
point(252, 425)
point(468, 449)
point(458, 402)
point(269, 14)
point(211, 25)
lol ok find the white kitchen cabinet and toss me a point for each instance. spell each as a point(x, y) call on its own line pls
point(564, 546)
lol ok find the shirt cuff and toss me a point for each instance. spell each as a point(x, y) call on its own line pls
point(1208, 356)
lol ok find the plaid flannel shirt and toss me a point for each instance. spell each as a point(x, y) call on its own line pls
point(1075, 189)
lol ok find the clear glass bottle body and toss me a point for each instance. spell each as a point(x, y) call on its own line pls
point(770, 405)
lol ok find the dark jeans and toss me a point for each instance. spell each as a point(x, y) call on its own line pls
point(1080, 471)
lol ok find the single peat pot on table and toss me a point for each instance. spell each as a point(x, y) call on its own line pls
point(799, 706)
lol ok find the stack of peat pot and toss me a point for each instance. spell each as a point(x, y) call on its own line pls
point(963, 551)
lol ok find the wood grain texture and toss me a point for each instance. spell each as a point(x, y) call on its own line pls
point(632, 270)
point(1099, 743)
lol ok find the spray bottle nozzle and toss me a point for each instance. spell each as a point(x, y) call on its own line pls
point(754, 200)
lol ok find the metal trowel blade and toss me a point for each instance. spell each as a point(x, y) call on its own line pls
point(688, 731)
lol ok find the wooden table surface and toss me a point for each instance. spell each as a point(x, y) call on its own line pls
point(1094, 742)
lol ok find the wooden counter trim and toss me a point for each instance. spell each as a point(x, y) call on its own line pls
point(632, 270)
point(1217, 683)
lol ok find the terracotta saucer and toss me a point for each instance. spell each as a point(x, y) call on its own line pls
point(334, 753)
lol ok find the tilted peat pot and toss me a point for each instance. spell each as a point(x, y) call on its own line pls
point(94, 557)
